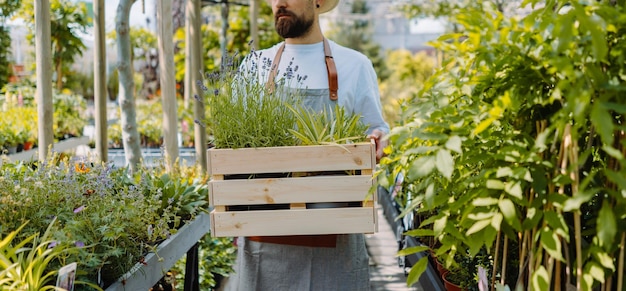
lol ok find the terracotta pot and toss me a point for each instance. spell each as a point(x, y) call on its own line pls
point(28, 145)
point(441, 268)
point(449, 285)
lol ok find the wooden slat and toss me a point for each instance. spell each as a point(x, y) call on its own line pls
point(290, 159)
point(293, 222)
point(290, 190)
point(211, 196)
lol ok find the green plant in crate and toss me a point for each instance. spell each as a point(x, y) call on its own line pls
point(326, 127)
point(243, 113)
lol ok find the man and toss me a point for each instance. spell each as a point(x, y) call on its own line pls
point(327, 74)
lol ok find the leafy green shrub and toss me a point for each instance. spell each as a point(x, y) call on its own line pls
point(518, 141)
point(115, 217)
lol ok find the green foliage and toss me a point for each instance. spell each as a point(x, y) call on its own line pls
point(334, 127)
point(216, 257)
point(150, 123)
point(404, 82)
point(238, 36)
point(68, 21)
point(81, 83)
point(69, 115)
point(18, 125)
point(24, 264)
point(20, 112)
point(449, 8)
point(519, 134)
point(180, 196)
point(8, 7)
point(243, 113)
point(114, 217)
point(5, 54)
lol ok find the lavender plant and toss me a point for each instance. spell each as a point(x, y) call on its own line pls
point(244, 113)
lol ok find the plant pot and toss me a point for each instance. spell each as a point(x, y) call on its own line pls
point(11, 150)
point(28, 145)
point(449, 285)
point(441, 268)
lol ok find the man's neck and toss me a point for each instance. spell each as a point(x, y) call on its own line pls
point(314, 36)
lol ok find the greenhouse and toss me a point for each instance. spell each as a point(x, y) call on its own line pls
point(312, 145)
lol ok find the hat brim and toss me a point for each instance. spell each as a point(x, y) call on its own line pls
point(328, 6)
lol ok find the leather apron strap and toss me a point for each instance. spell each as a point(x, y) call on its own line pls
point(331, 70)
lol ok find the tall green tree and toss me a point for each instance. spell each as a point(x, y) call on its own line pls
point(68, 20)
point(7, 9)
point(356, 32)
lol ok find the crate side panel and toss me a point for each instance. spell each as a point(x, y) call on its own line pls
point(290, 190)
point(290, 159)
point(294, 222)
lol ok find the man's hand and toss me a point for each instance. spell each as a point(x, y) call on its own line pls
point(381, 143)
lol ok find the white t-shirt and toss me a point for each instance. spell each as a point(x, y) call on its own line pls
point(304, 66)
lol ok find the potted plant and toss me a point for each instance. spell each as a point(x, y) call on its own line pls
point(258, 133)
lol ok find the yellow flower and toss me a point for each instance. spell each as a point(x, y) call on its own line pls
point(81, 168)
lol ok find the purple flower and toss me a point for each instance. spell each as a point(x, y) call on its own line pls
point(52, 244)
point(79, 209)
point(79, 244)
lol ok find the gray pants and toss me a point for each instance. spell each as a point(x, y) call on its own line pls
point(267, 266)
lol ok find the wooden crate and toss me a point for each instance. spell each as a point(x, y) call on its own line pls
point(312, 179)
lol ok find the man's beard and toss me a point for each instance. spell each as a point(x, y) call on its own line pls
point(293, 26)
